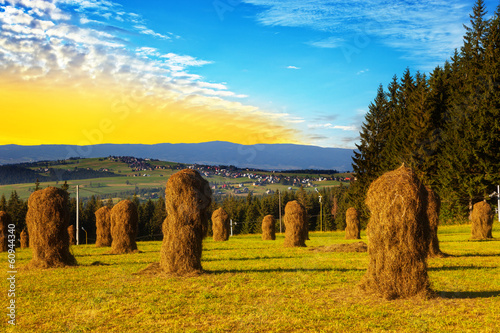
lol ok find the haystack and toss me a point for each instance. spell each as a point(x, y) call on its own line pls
point(71, 234)
point(103, 227)
point(482, 221)
point(187, 199)
point(24, 240)
point(295, 224)
point(5, 220)
point(48, 220)
point(398, 231)
point(220, 225)
point(433, 208)
point(268, 228)
point(124, 224)
point(352, 230)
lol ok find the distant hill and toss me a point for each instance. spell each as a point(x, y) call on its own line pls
point(261, 156)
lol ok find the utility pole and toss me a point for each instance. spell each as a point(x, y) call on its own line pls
point(279, 204)
point(231, 227)
point(320, 211)
point(77, 214)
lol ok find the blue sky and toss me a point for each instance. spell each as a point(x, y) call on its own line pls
point(310, 68)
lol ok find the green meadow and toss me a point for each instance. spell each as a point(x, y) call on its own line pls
point(252, 285)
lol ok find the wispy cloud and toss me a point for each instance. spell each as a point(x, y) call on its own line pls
point(293, 67)
point(426, 31)
point(331, 126)
point(363, 71)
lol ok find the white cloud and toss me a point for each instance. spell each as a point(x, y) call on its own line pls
point(328, 43)
point(293, 67)
point(331, 126)
point(426, 31)
point(362, 71)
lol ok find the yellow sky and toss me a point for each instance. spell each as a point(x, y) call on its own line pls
point(85, 112)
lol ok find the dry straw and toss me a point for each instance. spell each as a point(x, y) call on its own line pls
point(48, 220)
point(482, 221)
point(220, 225)
point(71, 234)
point(398, 231)
point(5, 220)
point(433, 208)
point(187, 199)
point(352, 230)
point(124, 224)
point(295, 224)
point(268, 228)
point(103, 227)
point(24, 239)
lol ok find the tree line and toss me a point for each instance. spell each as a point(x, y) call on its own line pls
point(445, 125)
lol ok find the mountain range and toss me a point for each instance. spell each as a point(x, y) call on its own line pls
point(260, 156)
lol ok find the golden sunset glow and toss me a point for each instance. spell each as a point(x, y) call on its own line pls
point(40, 112)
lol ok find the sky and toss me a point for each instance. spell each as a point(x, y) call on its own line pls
point(187, 71)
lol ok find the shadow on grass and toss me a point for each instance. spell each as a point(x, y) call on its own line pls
point(245, 259)
point(475, 255)
point(468, 294)
point(459, 268)
point(283, 270)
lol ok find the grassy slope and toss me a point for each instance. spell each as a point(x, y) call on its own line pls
point(158, 178)
point(254, 286)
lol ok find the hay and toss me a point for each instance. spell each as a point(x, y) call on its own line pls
point(71, 234)
point(103, 227)
point(220, 225)
point(295, 224)
point(48, 220)
point(187, 199)
point(124, 224)
point(352, 230)
point(5, 220)
point(24, 240)
point(268, 228)
point(433, 208)
point(352, 247)
point(482, 221)
point(398, 231)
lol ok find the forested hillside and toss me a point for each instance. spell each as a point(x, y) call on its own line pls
point(445, 125)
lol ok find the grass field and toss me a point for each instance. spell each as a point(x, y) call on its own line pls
point(256, 286)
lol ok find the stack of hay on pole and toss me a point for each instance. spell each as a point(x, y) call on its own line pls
point(48, 221)
point(352, 230)
point(399, 236)
point(187, 199)
point(71, 235)
point(5, 220)
point(482, 221)
point(220, 225)
point(268, 228)
point(24, 239)
point(124, 224)
point(103, 227)
point(295, 224)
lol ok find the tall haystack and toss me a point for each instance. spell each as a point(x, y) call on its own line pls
point(5, 220)
point(24, 239)
point(433, 208)
point(220, 225)
point(295, 224)
point(268, 228)
point(482, 221)
point(103, 227)
point(124, 225)
point(352, 230)
point(48, 220)
point(187, 199)
point(71, 234)
point(398, 231)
